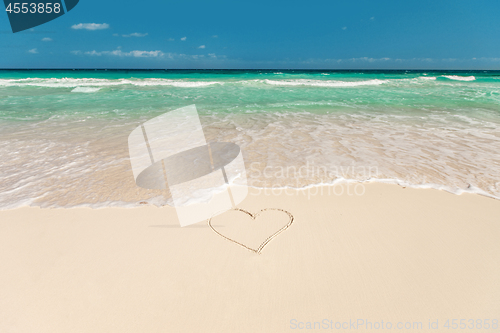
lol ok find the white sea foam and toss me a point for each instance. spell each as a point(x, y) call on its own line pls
point(72, 82)
point(159, 201)
point(175, 83)
point(325, 83)
point(85, 90)
point(395, 181)
point(95, 83)
point(460, 78)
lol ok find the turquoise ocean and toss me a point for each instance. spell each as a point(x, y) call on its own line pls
point(63, 133)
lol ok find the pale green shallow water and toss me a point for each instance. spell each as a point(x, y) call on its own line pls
point(63, 134)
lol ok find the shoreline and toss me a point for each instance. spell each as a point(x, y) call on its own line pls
point(338, 182)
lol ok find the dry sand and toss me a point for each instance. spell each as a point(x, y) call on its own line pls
point(395, 255)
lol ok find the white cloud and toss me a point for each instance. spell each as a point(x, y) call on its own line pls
point(170, 39)
point(152, 54)
point(215, 36)
point(90, 26)
point(136, 34)
point(344, 28)
point(93, 53)
point(120, 53)
point(373, 60)
point(34, 51)
point(372, 18)
point(46, 39)
point(487, 59)
point(116, 35)
point(142, 54)
point(183, 38)
point(201, 46)
point(369, 59)
point(367, 62)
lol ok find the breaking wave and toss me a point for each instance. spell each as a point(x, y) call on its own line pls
point(460, 78)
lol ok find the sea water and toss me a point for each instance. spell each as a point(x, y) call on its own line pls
point(63, 134)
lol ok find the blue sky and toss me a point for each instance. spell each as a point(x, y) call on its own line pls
point(331, 34)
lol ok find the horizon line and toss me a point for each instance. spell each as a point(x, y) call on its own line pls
point(244, 69)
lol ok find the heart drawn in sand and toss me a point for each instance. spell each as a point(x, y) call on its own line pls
point(247, 230)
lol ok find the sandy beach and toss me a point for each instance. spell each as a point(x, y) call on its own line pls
point(411, 258)
point(250, 167)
